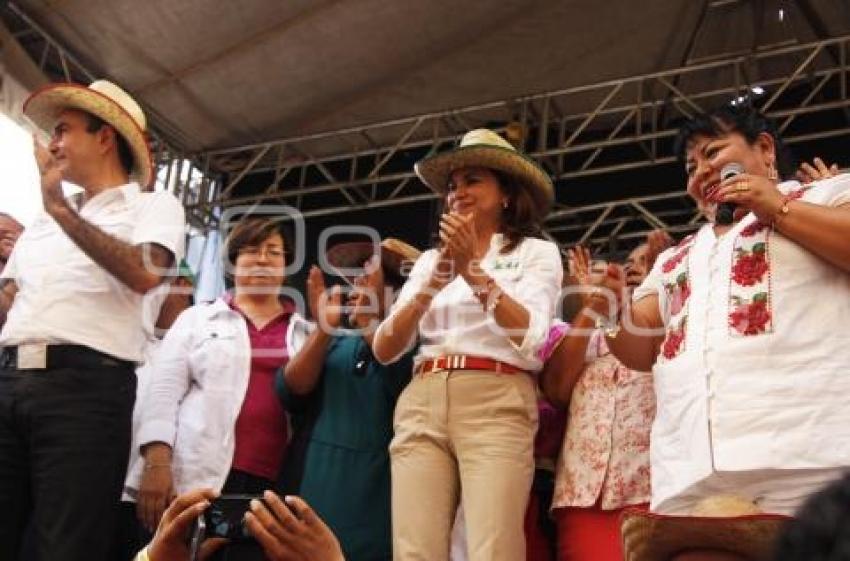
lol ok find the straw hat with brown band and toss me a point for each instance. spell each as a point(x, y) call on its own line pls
point(397, 257)
point(485, 148)
point(722, 523)
point(106, 101)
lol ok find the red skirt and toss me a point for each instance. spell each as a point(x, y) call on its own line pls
point(590, 534)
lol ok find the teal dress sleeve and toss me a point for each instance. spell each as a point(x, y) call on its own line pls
point(397, 375)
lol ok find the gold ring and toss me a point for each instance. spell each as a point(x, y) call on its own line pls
point(743, 187)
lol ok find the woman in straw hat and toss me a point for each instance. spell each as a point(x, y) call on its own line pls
point(480, 305)
point(341, 399)
point(740, 324)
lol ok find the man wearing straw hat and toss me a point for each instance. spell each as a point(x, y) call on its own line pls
point(74, 289)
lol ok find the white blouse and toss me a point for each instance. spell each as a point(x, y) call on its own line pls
point(456, 324)
point(754, 371)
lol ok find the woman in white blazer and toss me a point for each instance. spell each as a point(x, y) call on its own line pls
point(211, 417)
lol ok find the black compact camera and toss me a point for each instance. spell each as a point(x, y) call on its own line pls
point(224, 518)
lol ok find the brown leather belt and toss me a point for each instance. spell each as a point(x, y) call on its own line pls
point(466, 362)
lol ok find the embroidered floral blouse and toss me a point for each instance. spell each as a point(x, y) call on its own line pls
point(752, 373)
point(605, 456)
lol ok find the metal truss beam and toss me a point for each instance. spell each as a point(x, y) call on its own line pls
point(593, 129)
point(197, 186)
point(610, 126)
point(611, 226)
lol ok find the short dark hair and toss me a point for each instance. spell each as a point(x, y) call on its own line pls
point(253, 230)
point(742, 118)
point(125, 154)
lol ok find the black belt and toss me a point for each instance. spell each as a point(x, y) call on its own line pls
point(59, 356)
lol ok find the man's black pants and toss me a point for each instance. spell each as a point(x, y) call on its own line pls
point(64, 445)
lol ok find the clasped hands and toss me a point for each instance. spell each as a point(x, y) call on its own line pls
point(459, 251)
point(601, 287)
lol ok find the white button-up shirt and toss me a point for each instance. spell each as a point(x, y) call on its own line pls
point(776, 399)
point(456, 324)
point(65, 297)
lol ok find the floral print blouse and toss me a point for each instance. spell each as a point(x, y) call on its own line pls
point(605, 456)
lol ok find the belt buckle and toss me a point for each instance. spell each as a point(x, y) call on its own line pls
point(426, 368)
point(455, 362)
point(32, 356)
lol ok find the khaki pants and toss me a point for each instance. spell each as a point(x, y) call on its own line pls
point(468, 433)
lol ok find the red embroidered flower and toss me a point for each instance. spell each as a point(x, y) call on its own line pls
point(672, 343)
point(753, 229)
point(681, 252)
point(798, 193)
point(749, 268)
point(752, 318)
point(673, 262)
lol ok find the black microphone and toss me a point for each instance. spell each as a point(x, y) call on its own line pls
point(726, 211)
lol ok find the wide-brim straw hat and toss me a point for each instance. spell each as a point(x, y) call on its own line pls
point(655, 537)
point(397, 257)
point(106, 101)
point(485, 148)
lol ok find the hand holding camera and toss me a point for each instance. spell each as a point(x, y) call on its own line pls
point(172, 539)
point(199, 522)
point(291, 531)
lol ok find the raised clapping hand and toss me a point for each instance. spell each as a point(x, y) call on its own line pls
point(325, 305)
point(601, 289)
point(291, 531)
point(52, 196)
point(809, 173)
point(459, 237)
point(579, 264)
point(364, 301)
point(444, 270)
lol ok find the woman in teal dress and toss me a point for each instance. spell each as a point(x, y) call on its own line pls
point(341, 400)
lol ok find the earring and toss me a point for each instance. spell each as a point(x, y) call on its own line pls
point(505, 203)
point(771, 172)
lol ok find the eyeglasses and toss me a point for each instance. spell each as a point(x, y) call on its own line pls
point(256, 251)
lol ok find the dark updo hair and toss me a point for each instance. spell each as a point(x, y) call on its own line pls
point(742, 118)
point(521, 219)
